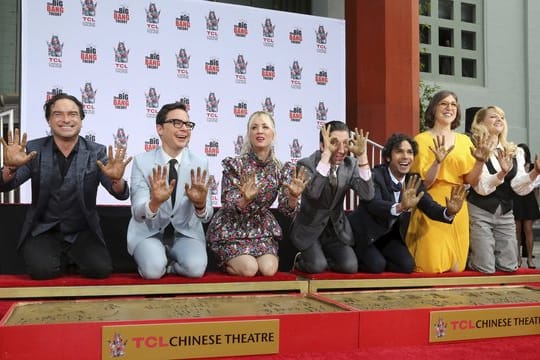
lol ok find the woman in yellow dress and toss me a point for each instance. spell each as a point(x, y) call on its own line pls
point(445, 158)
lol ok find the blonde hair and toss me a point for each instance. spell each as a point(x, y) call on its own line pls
point(478, 128)
point(247, 147)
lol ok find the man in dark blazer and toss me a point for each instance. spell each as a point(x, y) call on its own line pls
point(62, 227)
point(321, 231)
point(380, 224)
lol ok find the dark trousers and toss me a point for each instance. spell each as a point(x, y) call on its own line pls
point(48, 255)
point(388, 253)
point(328, 252)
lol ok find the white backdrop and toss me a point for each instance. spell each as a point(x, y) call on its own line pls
point(249, 59)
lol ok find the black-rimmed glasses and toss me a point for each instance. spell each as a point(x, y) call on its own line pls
point(177, 123)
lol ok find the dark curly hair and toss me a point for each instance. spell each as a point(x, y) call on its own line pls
point(393, 142)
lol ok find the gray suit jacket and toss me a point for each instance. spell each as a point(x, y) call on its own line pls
point(182, 216)
point(320, 204)
point(40, 169)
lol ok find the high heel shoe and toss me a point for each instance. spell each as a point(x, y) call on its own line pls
point(531, 264)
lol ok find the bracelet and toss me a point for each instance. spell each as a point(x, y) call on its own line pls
point(364, 164)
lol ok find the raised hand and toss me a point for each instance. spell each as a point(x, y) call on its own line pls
point(358, 144)
point(247, 186)
point(330, 143)
point(457, 197)
point(15, 150)
point(505, 160)
point(159, 190)
point(482, 150)
point(298, 182)
point(439, 149)
point(199, 188)
point(116, 165)
point(409, 199)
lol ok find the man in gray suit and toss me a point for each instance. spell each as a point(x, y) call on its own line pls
point(321, 231)
point(165, 233)
point(62, 228)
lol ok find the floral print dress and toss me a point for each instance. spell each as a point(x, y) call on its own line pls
point(253, 230)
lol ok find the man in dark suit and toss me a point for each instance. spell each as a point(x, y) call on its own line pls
point(321, 231)
point(62, 228)
point(380, 225)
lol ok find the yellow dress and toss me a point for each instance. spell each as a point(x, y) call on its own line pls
point(437, 246)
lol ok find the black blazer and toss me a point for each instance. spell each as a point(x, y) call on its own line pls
point(372, 219)
point(40, 169)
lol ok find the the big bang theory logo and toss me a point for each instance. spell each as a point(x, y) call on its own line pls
point(90, 136)
point(185, 100)
point(121, 54)
point(152, 18)
point(212, 25)
point(151, 144)
point(89, 55)
point(212, 148)
point(295, 36)
point(54, 91)
point(54, 50)
point(268, 32)
point(321, 78)
point(183, 22)
point(321, 37)
point(88, 11)
point(240, 110)
point(212, 66)
point(295, 114)
point(55, 7)
point(121, 16)
point(268, 72)
point(152, 60)
point(88, 97)
point(121, 101)
point(241, 28)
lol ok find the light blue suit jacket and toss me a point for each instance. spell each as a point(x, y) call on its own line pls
point(182, 216)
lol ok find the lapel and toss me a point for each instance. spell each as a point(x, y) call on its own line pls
point(46, 169)
point(81, 162)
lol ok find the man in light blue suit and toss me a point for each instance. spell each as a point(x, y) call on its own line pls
point(165, 233)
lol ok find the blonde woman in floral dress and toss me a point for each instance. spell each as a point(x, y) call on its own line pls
point(244, 234)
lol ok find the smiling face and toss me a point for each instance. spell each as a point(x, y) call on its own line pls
point(174, 139)
point(494, 121)
point(261, 132)
point(65, 120)
point(446, 111)
point(401, 159)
